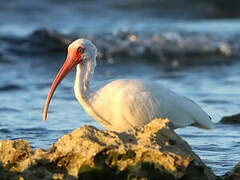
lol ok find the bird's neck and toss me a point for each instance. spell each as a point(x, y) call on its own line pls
point(84, 75)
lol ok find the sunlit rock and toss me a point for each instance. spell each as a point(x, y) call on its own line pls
point(152, 152)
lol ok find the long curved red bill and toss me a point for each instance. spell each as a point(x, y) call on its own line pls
point(66, 68)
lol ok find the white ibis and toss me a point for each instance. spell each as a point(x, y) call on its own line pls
point(124, 104)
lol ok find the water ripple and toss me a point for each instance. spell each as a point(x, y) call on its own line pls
point(8, 109)
point(5, 131)
point(11, 87)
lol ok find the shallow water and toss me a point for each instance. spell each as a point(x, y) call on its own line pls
point(26, 84)
point(26, 77)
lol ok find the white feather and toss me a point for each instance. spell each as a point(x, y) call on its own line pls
point(125, 104)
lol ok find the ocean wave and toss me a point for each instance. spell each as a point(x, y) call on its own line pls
point(173, 49)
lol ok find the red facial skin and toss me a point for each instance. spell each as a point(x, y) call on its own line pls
point(74, 57)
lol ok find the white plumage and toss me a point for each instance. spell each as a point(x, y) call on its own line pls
point(125, 104)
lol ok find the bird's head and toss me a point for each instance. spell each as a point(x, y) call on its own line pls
point(79, 52)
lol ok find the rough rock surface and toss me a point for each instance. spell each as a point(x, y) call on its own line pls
point(234, 174)
point(234, 119)
point(152, 152)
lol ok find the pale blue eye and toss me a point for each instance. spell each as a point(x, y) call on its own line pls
point(80, 50)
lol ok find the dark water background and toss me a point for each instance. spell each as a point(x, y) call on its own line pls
point(27, 70)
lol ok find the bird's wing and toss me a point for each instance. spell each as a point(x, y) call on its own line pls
point(134, 103)
point(183, 111)
point(140, 107)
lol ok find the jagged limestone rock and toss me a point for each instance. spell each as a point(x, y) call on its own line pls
point(154, 151)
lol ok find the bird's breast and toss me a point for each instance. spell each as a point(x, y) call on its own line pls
point(123, 104)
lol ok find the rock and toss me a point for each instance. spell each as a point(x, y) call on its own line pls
point(234, 119)
point(14, 153)
point(154, 151)
point(234, 174)
point(14, 157)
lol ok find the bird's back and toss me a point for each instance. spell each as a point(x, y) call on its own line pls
point(124, 104)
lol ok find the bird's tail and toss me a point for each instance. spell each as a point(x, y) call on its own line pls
point(208, 125)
